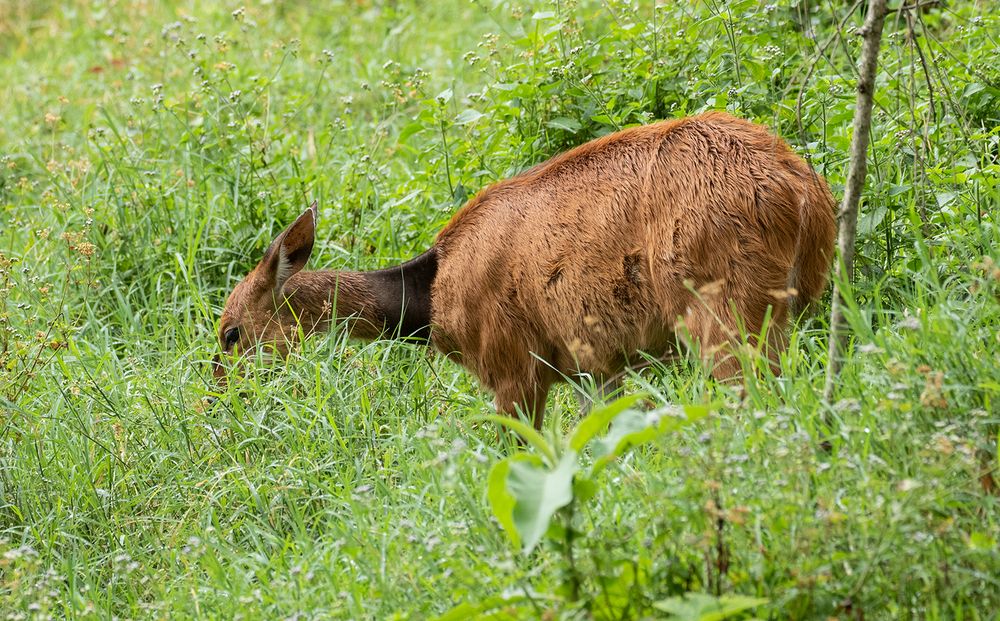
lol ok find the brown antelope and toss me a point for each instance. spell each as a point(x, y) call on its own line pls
point(691, 227)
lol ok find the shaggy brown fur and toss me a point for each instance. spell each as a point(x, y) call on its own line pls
point(694, 226)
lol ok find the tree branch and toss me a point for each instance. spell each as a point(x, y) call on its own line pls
point(857, 171)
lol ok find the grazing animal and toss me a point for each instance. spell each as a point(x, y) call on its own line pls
point(691, 227)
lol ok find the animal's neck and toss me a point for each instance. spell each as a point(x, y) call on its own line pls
point(392, 302)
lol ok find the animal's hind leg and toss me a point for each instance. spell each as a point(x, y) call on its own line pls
point(777, 337)
point(714, 335)
point(715, 324)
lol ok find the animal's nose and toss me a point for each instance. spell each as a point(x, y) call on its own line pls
point(218, 369)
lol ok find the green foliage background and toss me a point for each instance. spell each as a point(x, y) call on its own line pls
point(149, 152)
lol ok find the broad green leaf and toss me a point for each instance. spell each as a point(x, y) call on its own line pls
point(946, 198)
point(632, 428)
point(972, 89)
point(524, 430)
point(869, 221)
point(501, 501)
point(566, 123)
point(692, 413)
point(584, 489)
point(468, 116)
point(597, 420)
point(410, 130)
point(981, 541)
point(478, 610)
point(539, 492)
point(702, 607)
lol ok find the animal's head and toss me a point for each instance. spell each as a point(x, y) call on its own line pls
point(256, 312)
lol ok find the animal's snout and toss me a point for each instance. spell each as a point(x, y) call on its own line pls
point(218, 369)
point(224, 364)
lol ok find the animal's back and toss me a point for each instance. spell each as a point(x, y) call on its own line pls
point(593, 255)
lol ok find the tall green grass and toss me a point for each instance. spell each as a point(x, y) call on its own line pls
point(149, 152)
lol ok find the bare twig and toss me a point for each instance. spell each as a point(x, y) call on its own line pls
point(923, 63)
point(916, 5)
point(921, 152)
point(857, 171)
point(838, 36)
point(812, 68)
point(727, 24)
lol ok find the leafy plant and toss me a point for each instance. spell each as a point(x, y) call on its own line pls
point(537, 495)
point(701, 607)
point(528, 489)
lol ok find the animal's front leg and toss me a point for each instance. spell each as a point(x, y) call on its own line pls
point(523, 397)
point(604, 387)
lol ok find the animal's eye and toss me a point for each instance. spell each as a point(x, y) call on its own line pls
point(232, 336)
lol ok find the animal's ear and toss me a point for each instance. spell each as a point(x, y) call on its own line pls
point(290, 250)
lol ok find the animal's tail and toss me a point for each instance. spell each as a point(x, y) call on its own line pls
point(815, 247)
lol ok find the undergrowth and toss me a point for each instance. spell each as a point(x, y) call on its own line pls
point(149, 152)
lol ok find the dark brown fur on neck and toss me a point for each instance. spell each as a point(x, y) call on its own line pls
point(402, 296)
point(391, 303)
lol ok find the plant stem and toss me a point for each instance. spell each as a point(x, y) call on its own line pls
point(857, 171)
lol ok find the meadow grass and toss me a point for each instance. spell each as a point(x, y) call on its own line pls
point(150, 151)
